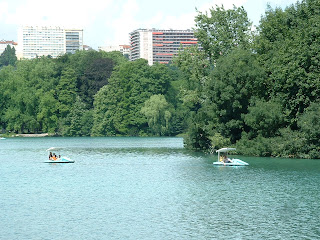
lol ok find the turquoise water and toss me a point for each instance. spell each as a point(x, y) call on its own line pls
point(151, 188)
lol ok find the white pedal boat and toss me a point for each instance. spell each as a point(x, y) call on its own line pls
point(224, 160)
point(57, 158)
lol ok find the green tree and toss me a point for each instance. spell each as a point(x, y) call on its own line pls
point(95, 76)
point(195, 68)
point(79, 121)
point(236, 78)
point(8, 57)
point(118, 104)
point(287, 46)
point(48, 114)
point(66, 91)
point(265, 118)
point(6, 74)
point(197, 138)
point(309, 124)
point(219, 33)
point(157, 111)
point(92, 70)
point(222, 30)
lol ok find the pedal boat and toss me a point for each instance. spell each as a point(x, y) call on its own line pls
point(224, 160)
point(60, 159)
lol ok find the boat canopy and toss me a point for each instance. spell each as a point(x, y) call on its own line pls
point(225, 150)
point(55, 149)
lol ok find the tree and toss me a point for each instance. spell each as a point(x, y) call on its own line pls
point(265, 118)
point(118, 104)
point(95, 76)
point(92, 70)
point(219, 33)
point(309, 124)
point(48, 114)
point(222, 30)
point(156, 109)
point(195, 67)
point(8, 57)
point(79, 121)
point(66, 91)
point(236, 78)
point(287, 47)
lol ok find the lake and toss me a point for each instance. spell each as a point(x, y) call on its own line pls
point(151, 188)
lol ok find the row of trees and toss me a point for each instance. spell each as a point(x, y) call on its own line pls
point(256, 90)
point(89, 93)
point(261, 89)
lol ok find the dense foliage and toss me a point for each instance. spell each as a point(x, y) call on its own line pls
point(54, 95)
point(122, 106)
point(258, 91)
point(8, 57)
point(262, 93)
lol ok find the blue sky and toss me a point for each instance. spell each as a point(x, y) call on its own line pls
point(109, 22)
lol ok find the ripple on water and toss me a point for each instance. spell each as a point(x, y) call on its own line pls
point(141, 188)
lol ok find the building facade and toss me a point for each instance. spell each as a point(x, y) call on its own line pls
point(159, 45)
point(36, 41)
point(124, 49)
point(74, 40)
point(4, 44)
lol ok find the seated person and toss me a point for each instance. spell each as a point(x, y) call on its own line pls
point(227, 160)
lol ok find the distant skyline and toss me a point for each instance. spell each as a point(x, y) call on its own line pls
point(109, 22)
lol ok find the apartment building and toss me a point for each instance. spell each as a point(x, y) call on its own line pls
point(39, 41)
point(124, 49)
point(159, 45)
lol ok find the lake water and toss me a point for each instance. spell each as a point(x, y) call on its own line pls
point(151, 188)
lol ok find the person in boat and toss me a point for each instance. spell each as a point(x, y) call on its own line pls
point(54, 157)
point(226, 159)
point(50, 156)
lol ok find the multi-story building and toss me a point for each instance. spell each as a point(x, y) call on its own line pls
point(159, 45)
point(4, 44)
point(74, 40)
point(43, 41)
point(124, 49)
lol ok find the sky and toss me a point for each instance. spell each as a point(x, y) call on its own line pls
point(109, 22)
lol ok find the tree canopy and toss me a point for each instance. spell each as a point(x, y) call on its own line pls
point(258, 91)
point(8, 57)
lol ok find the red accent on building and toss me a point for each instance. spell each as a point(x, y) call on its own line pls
point(189, 42)
point(165, 54)
point(8, 42)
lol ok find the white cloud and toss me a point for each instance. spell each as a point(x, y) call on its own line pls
point(3, 9)
point(59, 12)
point(124, 24)
point(154, 21)
point(129, 19)
point(227, 4)
point(184, 21)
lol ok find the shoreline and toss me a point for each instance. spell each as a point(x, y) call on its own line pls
point(32, 135)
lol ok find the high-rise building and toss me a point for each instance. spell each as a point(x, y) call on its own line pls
point(4, 44)
point(43, 41)
point(159, 45)
point(74, 40)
